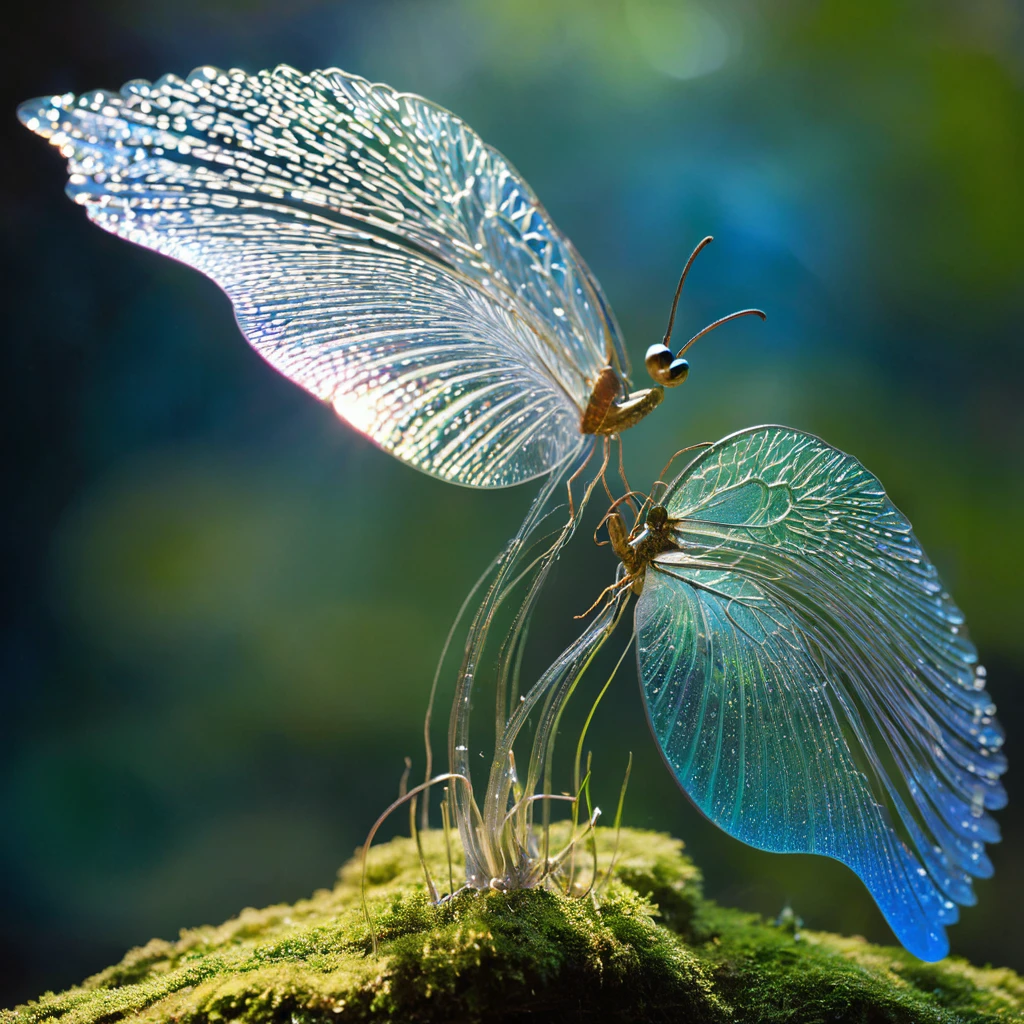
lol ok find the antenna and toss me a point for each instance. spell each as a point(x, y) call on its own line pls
point(662, 365)
point(718, 323)
point(682, 279)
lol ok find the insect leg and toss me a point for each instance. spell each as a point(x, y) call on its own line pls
point(568, 485)
point(604, 466)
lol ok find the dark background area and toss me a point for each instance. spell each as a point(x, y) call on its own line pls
point(222, 607)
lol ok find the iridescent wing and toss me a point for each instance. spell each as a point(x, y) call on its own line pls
point(375, 251)
point(810, 682)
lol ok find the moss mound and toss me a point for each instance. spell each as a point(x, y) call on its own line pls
point(650, 948)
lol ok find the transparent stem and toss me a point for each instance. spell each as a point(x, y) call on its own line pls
point(553, 688)
point(484, 860)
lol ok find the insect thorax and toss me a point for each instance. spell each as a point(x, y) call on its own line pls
point(611, 409)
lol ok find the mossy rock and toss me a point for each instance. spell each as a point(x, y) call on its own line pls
point(648, 947)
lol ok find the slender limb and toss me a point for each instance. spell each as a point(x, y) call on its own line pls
point(551, 864)
point(482, 858)
point(593, 710)
point(517, 668)
point(519, 804)
point(593, 852)
point(622, 473)
point(425, 815)
point(579, 747)
point(547, 688)
point(613, 588)
point(542, 754)
point(513, 647)
point(495, 851)
point(479, 857)
point(403, 782)
point(592, 815)
point(458, 892)
point(618, 822)
point(579, 472)
point(446, 825)
point(604, 467)
point(682, 451)
point(431, 888)
point(416, 790)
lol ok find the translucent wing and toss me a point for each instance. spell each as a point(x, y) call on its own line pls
point(375, 250)
point(810, 682)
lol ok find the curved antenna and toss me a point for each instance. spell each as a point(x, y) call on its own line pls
point(679, 288)
point(682, 451)
point(718, 323)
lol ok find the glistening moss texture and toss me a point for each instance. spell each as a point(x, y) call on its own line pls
point(650, 948)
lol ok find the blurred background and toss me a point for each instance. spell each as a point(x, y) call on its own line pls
point(222, 607)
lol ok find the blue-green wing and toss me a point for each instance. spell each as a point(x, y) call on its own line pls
point(810, 681)
point(375, 250)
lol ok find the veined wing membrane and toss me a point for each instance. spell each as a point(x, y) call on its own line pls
point(375, 251)
point(810, 682)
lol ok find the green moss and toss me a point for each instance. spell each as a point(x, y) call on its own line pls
point(650, 948)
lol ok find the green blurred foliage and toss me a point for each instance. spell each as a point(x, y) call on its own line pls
point(225, 609)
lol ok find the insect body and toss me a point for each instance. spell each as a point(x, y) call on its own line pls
point(636, 553)
point(612, 409)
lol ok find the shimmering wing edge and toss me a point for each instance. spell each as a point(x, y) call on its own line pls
point(824, 806)
point(249, 317)
point(931, 775)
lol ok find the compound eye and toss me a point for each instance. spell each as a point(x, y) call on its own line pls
point(677, 372)
point(657, 517)
point(664, 367)
point(658, 360)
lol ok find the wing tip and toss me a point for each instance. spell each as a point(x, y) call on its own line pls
point(935, 948)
